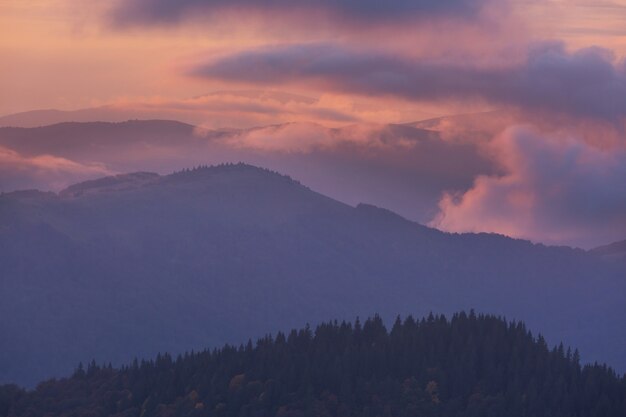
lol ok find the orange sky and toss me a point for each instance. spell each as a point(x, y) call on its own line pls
point(64, 54)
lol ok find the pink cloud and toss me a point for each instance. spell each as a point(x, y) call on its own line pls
point(555, 190)
point(310, 137)
point(53, 171)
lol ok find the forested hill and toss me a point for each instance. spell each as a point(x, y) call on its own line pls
point(467, 366)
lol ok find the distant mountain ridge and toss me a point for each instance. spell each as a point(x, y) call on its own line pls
point(121, 112)
point(138, 264)
point(46, 117)
point(74, 137)
point(612, 250)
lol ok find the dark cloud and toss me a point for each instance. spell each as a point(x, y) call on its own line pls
point(583, 83)
point(348, 11)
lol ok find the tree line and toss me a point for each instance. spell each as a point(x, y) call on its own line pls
point(468, 365)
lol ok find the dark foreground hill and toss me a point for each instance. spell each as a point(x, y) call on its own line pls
point(468, 366)
point(137, 264)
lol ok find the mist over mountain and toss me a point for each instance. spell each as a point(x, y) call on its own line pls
point(137, 264)
point(218, 109)
point(400, 167)
point(464, 173)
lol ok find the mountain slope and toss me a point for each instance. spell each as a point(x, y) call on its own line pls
point(467, 366)
point(141, 263)
point(615, 250)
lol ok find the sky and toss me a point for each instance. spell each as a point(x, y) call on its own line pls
point(545, 79)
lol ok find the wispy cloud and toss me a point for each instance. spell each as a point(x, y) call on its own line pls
point(17, 170)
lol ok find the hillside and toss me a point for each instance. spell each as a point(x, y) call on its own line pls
point(616, 250)
point(467, 366)
point(139, 264)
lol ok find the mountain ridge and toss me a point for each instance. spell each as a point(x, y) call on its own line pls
point(200, 258)
point(612, 250)
point(132, 180)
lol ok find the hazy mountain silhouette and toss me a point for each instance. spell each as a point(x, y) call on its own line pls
point(44, 117)
point(136, 264)
point(616, 250)
point(211, 107)
point(73, 139)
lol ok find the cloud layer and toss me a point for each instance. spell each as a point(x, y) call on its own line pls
point(585, 83)
point(345, 11)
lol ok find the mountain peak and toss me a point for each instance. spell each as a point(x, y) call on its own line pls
point(111, 183)
point(202, 171)
point(135, 180)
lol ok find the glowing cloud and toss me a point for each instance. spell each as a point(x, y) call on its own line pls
point(54, 171)
point(556, 190)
